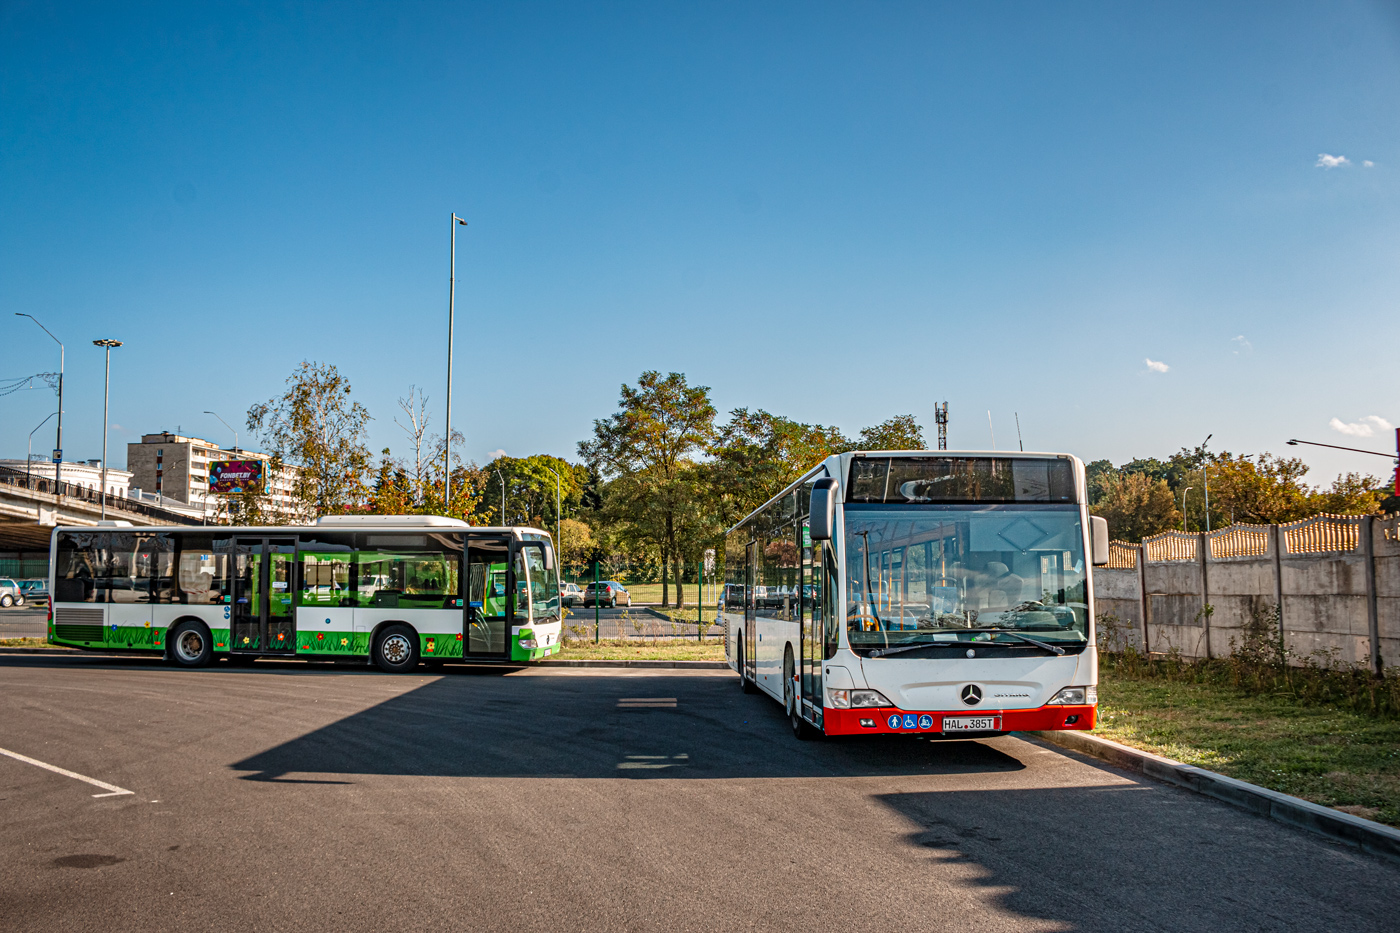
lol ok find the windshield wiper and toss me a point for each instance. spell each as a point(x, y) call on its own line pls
point(1054, 649)
point(900, 649)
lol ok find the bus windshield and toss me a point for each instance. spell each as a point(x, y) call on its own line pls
point(953, 573)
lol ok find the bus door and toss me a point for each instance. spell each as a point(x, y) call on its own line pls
point(488, 598)
point(750, 613)
point(811, 628)
point(263, 616)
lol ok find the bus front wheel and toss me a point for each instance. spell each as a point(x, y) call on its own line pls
point(396, 650)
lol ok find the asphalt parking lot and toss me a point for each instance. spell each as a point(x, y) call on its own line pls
point(296, 797)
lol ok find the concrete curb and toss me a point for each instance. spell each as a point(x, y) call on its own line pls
point(678, 665)
point(1367, 835)
point(25, 649)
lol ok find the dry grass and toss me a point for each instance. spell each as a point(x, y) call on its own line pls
point(1331, 755)
point(662, 649)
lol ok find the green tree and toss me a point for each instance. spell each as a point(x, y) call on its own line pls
point(531, 488)
point(901, 432)
point(318, 430)
point(757, 453)
point(1351, 494)
point(649, 442)
point(1136, 506)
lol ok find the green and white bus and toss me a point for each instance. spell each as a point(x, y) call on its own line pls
point(391, 589)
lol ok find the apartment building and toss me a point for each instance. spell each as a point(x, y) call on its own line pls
point(173, 466)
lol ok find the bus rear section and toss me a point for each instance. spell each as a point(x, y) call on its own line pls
point(934, 593)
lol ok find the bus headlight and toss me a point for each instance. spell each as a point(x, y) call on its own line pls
point(856, 699)
point(1076, 696)
point(529, 643)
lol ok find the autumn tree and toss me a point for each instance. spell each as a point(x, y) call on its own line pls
point(319, 431)
point(1136, 506)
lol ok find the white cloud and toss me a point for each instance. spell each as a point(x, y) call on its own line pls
point(1330, 161)
point(1369, 426)
point(1367, 163)
point(1241, 345)
point(495, 454)
point(1156, 366)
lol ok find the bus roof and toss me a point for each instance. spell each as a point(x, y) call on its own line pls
point(840, 462)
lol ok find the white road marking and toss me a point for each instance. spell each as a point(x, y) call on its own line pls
point(113, 790)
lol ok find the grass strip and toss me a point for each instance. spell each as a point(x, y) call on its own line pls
point(1330, 755)
point(627, 649)
point(31, 643)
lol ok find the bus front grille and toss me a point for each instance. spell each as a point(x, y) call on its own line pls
point(78, 632)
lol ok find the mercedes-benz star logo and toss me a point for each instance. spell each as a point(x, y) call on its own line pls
point(972, 694)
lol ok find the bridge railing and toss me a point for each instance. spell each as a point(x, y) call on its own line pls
point(13, 477)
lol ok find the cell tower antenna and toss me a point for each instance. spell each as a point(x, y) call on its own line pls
point(940, 415)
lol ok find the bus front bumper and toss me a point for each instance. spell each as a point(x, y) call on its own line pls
point(893, 721)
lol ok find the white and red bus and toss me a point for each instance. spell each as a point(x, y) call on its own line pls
point(920, 592)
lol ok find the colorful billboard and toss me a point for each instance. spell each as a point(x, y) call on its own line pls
point(233, 476)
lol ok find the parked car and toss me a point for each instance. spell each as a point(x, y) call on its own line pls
point(570, 594)
point(10, 593)
point(35, 591)
point(610, 593)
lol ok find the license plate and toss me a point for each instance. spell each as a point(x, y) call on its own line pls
point(971, 723)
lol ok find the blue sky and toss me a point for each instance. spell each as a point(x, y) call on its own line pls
point(837, 212)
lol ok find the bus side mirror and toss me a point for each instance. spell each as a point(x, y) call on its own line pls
point(823, 507)
point(1098, 540)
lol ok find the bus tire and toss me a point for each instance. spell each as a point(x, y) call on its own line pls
point(792, 702)
point(745, 684)
point(190, 644)
point(396, 649)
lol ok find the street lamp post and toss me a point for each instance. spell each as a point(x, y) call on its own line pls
point(1205, 478)
point(503, 496)
point(451, 309)
point(106, 387)
point(1357, 450)
point(58, 444)
point(558, 511)
point(29, 450)
point(1183, 507)
point(229, 426)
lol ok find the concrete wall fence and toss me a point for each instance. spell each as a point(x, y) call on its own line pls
point(1336, 577)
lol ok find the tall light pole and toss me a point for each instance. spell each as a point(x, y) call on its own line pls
point(558, 511)
point(106, 387)
point(1357, 450)
point(1205, 478)
point(503, 496)
point(58, 444)
point(451, 311)
point(1183, 507)
point(230, 427)
point(29, 450)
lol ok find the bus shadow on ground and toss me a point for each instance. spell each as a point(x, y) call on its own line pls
point(640, 728)
point(1124, 864)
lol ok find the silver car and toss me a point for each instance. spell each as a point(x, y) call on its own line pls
point(10, 593)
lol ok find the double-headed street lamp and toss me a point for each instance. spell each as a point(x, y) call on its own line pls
point(29, 450)
point(58, 444)
point(106, 386)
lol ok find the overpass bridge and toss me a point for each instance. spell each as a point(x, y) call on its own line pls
point(31, 506)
